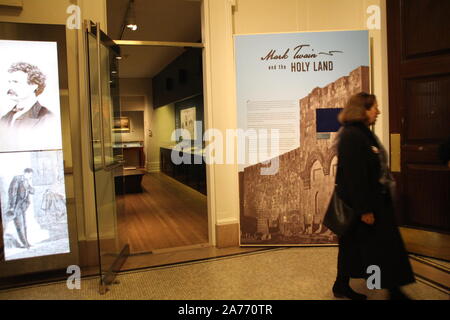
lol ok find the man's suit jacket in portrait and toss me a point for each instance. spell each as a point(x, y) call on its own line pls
point(36, 117)
point(36, 129)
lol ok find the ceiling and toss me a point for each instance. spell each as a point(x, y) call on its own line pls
point(158, 20)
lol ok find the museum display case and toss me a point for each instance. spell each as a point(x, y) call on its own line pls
point(192, 172)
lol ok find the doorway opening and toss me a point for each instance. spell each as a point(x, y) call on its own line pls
point(161, 90)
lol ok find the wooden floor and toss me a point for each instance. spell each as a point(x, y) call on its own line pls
point(436, 273)
point(167, 214)
point(426, 243)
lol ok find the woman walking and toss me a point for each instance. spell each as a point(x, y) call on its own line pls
point(363, 181)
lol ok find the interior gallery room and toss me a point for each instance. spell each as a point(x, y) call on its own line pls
point(195, 149)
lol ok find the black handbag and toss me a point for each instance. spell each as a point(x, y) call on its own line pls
point(339, 216)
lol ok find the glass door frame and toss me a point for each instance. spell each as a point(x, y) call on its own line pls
point(107, 270)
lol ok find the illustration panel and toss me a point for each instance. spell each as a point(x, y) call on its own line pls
point(33, 204)
point(29, 96)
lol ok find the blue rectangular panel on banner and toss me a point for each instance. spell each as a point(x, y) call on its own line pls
point(326, 119)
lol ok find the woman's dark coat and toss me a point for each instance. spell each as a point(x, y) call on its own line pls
point(358, 175)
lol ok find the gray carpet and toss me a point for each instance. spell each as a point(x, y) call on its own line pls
point(291, 274)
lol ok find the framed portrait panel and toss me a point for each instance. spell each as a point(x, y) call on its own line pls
point(38, 219)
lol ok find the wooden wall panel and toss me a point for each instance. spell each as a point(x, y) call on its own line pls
point(419, 108)
point(428, 112)
point(428, 36)
point(428, 190)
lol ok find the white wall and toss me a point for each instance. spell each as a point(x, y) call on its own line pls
point(163, 125)
point(139, 89)
point(136, 126)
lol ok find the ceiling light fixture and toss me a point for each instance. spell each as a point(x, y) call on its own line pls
point(130, 20)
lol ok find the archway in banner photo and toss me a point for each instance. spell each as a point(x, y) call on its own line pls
point(319, 197)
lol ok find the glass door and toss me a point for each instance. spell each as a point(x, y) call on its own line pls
point(107, 154)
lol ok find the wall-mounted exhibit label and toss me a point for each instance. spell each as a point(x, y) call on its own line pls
point(32, 189)
point(294, 83)
point(260, 115)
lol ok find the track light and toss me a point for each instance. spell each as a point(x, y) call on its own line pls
point(130, 20)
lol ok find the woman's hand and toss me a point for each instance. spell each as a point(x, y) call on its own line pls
point(368, 218)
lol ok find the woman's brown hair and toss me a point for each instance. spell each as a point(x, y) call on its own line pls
point(356, 107)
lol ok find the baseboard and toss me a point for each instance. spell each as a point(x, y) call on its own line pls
point(426, 243)
point(153, 166)
point(227, 235)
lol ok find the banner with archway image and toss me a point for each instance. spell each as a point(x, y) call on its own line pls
point(292, 86)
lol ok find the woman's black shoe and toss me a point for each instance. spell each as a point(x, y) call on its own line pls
point(344, 291)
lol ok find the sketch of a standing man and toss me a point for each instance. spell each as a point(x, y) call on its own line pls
point(19, 193)
point(26, 83)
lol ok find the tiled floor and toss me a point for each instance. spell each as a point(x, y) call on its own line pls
point(285, 273)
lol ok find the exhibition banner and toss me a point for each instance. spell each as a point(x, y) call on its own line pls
point(290, 88)
point(32, 185)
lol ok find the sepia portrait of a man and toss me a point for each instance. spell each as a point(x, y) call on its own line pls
point(25, 84)
point(27, 123)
